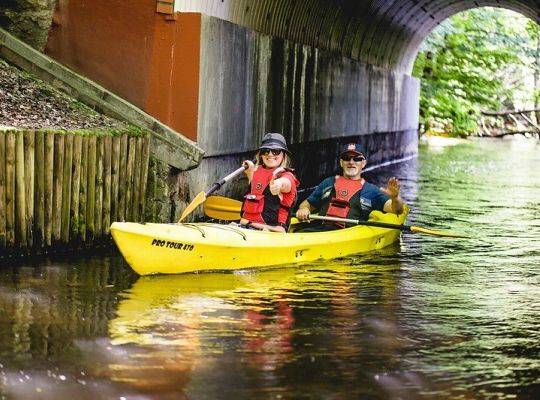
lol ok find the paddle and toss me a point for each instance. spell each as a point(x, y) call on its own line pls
point(223, 208)
point(219, 207)
point(404, 228)
point(201, 197)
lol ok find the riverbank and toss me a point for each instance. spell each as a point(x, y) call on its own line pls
point(435, 141)
point(30, 103)
point(440, 141)
point(66, 171)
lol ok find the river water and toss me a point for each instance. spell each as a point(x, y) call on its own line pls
point(430, 318)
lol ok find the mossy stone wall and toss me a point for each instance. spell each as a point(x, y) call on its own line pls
point(29, 20)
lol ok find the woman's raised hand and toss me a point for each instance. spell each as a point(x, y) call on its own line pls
point(250, 166)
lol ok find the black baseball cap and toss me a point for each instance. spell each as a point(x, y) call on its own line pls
point(352, 148)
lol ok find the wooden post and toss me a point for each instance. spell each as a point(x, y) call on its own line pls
point(58, 184)
point(66, 187)
point(137, 165)
point(99, 188)
point(10, 189)
point(49, 186)
point(91, 186)
point(29, 157)
point(129, 177)
point(145, 156)
point(83, 193)
point(39, 198)
point(107, 159)
point(2, 189)
point(20, 198)
point(75, 187)
point(115, 167)
point(150, 203)
point(122, 187)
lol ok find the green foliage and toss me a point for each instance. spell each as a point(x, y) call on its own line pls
point(533, 29)
point(464, 65)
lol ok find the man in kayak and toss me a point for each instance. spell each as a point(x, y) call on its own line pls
point(349, 195)
point(272, 193)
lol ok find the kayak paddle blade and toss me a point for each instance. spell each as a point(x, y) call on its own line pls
point(222, 208)
point(196, 202)
point(417, 229)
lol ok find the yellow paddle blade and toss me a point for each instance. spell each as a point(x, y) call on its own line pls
point(417, 229)
point(196, 202)
point(218, 207)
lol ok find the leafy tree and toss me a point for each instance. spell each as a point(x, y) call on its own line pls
point(470, 63)
point(533, 29)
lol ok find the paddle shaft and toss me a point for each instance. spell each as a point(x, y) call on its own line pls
point(217, 185)
point(201, 197)
point(231, 208)
point(365, 223)
point(228, 209)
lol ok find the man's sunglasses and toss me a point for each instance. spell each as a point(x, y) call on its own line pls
point(355, 158)
point(265, 152)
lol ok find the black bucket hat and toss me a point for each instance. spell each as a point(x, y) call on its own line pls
point(274, 141)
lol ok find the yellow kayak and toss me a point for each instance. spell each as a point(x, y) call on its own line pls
point(190, 247)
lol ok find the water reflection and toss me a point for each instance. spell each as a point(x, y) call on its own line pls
point(46, 306)
point(203, 335)
point(430, 318)
point(45, 309)
point(203, 330)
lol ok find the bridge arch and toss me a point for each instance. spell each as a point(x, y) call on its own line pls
point(386, 33)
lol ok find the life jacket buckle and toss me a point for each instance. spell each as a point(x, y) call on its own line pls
point(339, 203)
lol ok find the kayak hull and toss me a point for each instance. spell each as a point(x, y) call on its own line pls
point(190, 247)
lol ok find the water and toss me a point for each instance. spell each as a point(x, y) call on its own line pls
point(430, 318)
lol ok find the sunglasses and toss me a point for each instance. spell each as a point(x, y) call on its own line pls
point(265, 152)
point(355, 158)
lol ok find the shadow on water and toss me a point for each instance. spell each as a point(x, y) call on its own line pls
point(429, 318)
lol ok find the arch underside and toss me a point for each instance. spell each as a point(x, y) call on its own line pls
point(385, 33)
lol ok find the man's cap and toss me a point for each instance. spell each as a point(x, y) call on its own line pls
point(354, 148)
point(274, 141)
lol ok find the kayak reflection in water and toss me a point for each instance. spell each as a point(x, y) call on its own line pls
point(273, 185)
point(348, 195)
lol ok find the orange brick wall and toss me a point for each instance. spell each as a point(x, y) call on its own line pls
point(146, 57)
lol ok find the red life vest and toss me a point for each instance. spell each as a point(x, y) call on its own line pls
point(345, 189)
point(262, 206)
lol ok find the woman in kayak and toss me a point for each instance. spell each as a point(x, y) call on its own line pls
point(272, 192)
